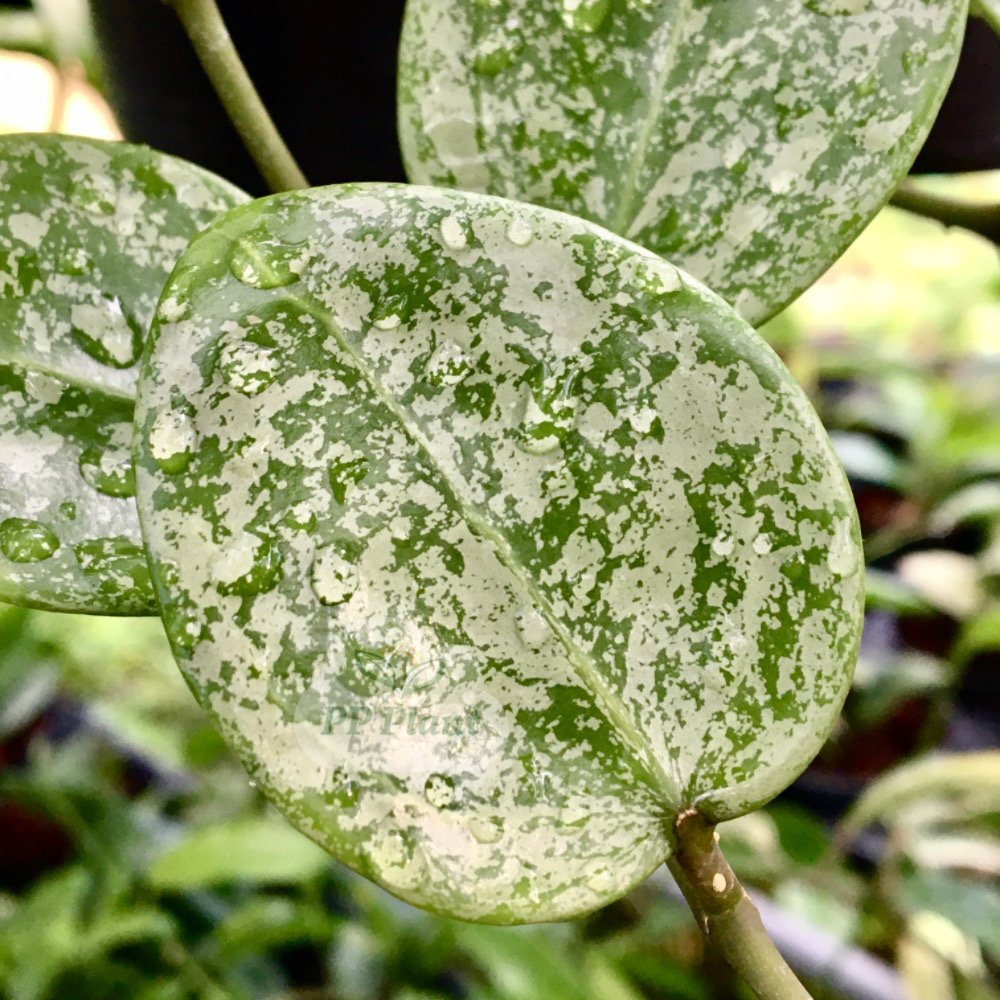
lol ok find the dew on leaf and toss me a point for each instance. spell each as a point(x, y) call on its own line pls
point(520, 232)
point(109, 472)
point(842, 557)
point(532, 627)
point(43, 388)
point(486, 829)
point(172, 441)
point(448, 364)
point(762, 544)
point(439, 790)
point(345, 473)
point(549, 412)
point(258, 259)
point(723, 545)
point(497, 50)
point(453, 233)
point(99, 556)
point(106, 331)
point(23, 540)
point(334, 579)
point(584, 15)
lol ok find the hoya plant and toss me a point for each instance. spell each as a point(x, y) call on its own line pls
point(503, 551)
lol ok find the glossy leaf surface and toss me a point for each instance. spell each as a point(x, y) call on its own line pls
point(88, 233)
point(747, 141)
point(526, 544)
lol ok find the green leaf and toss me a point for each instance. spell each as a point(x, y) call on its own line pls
point(989, 11)
point(243, 850)
point(748, 141)
point(527, 544)
point(88, 233)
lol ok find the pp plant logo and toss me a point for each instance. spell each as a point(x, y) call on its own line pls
point(385, 708)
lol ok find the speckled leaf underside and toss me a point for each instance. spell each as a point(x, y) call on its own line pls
point(491, 540)
point(748, 141)
point(88, 233)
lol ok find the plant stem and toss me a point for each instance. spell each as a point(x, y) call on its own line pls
point(726, 914)
point(981, 219)
point(207, 31)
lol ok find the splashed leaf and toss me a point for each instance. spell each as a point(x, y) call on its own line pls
point(88, 233)
point(747, 141)
point(528, 543)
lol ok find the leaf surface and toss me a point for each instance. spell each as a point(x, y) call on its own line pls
point(527, 544)
point(88, 233)
point(747, 141)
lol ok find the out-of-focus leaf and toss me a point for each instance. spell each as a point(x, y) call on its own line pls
point(266, 923)
point(883, 683)
point(947, 580)
point(867, 460)
point(944, 775)
point(243, 850)
point(973, 907)
point(687, 127)
point(887, 592)
point(977, 502)
point(989, 11)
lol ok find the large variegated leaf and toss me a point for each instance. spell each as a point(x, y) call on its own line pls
point(749, 141)
point(492, 540)
point(88, 233)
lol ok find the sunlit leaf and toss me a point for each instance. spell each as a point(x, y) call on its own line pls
point(748, 141)
point(88, 233)
point(491, 540)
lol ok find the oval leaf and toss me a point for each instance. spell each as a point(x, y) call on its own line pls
point(527, 544)
point(747, 141)
point(88, 233)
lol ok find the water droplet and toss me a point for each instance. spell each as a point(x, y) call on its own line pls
point(497, 50)
point(68, 510)
point(43, 388)
point(107, 332)
point(108, 472)
point(837, 8)
point(584, 15)
point(455, 140)
point(668, 278)
point(334, 579)
point(118, 556)
point(249, 566)
point(453, 232)
point(602, 880)
point(533, 628)
point(448, 365)
point(520, 232)
point(399, 861)
point(247, 367)
point(345, 473)
point(439, 790)
point(172, 441)
point(762, 544)
point(842, 558)
point(261, 260)
point(550, 410)
point(642, 419)
point(391, 311)
point(26, 541)
point(486, 829)
point(723, 545)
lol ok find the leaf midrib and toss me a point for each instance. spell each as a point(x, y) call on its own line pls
point(627, 208)
point(587, 671)
point(73, 381)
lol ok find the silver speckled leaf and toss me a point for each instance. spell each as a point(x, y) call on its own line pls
point(748, 141)
point(89, 232)
point(491, 540)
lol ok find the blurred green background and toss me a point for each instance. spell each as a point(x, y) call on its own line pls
point(136, 859)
